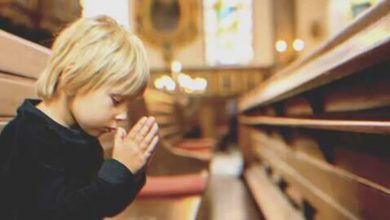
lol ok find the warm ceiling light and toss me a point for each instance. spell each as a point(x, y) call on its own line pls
point(165, 82)
point(176, 66)
point(281, 46)
point(184, 80)
point(200, 84)
point(298, 44)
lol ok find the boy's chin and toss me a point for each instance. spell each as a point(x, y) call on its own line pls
point(94, 133)
point(99, 133)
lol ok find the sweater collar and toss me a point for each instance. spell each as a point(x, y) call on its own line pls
point(75, 134)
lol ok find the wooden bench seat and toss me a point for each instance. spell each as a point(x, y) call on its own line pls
point(316, 133)
point(194, 144)
point(202, 148)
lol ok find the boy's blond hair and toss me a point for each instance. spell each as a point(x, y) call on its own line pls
point(91, 53)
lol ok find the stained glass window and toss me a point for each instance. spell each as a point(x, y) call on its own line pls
point(228, 31)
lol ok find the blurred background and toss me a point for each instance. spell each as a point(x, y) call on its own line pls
point(204, 54)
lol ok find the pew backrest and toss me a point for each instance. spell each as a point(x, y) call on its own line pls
point(319, 129)
point(21, 62)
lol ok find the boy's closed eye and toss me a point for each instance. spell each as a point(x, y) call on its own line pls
point(117, 100)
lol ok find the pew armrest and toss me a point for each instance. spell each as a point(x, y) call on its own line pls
point(174, 186)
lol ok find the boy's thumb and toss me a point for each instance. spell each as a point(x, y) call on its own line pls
point(120, 135)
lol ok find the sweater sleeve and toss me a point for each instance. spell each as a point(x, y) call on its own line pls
point(33, 184)
point(113, 189)
point(36, 184)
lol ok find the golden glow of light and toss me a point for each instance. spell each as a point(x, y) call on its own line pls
point(281, 46)
point(184, 80)
point(118, 10)
point(197, 85)
point(298, 44)
point(176, 66)
point(165, 82)
point(200, 84)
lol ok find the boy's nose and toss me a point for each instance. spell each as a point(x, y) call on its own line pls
point(121, 117)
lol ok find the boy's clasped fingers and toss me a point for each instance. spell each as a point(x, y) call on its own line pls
point(145, 133)
point(147, 126)
point(151, 146)
point(150, 136)
point(137, 127)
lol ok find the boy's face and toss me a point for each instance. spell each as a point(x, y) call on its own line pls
point(98, 111)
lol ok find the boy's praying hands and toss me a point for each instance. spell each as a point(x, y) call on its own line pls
point(135, 148)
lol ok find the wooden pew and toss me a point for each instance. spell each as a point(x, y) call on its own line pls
point(315, 135)
point(20, 64)
point(170, 115)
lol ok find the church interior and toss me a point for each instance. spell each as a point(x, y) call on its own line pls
point(267, 109)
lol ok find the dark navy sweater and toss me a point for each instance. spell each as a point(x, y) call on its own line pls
point(48, 171)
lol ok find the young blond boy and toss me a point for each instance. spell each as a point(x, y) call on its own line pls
point(51, 162)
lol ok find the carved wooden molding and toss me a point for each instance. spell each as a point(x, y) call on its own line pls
point(177, 33)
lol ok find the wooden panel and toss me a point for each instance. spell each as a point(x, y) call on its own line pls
point(159, 108)
point(326, 208)
point(349, 195)
point(152, 95)
point(297, 106)
point(274, 205)
point(380, 127)
point(366, 91)
point(349, 97)
point(165, 119)
point(12, 92)
point(348, 53)
point(21, 57)
point(174, 139)
point(357, 96)
point(169, 130)
point(365, 155)
point(306, 144)
point(245, 143)
point(366, 165)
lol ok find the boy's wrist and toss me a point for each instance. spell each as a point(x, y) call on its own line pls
point(115, 172)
